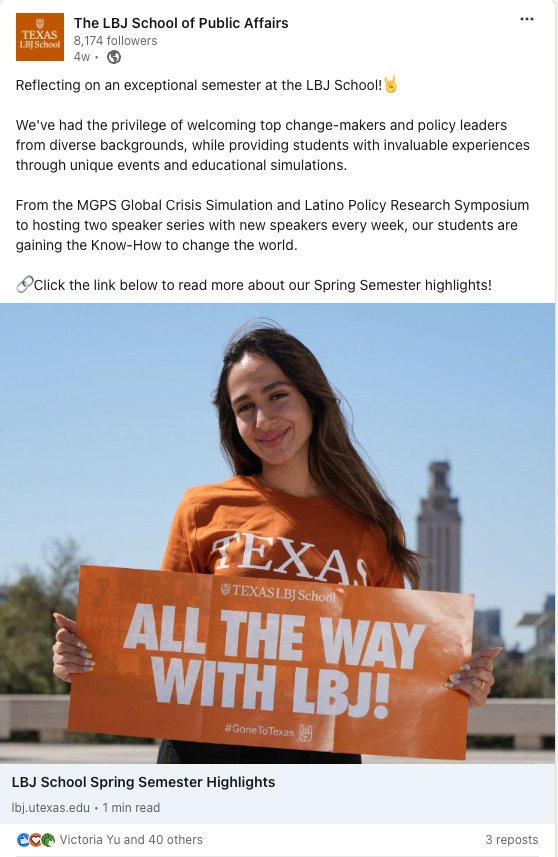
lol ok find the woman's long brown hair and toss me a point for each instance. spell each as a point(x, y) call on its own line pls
point(334, 463)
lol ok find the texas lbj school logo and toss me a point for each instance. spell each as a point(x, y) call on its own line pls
point(225, 588)
point(39, 36)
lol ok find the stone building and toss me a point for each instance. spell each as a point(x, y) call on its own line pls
point(439, 533)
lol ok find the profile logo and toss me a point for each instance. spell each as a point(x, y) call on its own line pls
point(23, 839)
point(39, 37)
point(225, 588)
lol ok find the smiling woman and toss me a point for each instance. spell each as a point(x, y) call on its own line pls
point(273, 419)
point(302, 505)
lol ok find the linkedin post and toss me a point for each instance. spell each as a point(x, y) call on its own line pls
point(278, 336)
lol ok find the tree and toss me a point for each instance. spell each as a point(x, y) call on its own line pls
point(518, 681)
point(27, 626)
point(515, 679)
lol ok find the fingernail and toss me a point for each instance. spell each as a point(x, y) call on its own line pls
point(90, 663)
point(81, 645)
point(84, 654)
point(56, 615)
point(448, 684)
point(88, 669)
point(454, 677)
point(465, 667)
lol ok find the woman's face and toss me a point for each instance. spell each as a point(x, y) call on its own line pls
point(272, 415)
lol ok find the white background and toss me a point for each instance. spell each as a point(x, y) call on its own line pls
point(452, 61)
point(311, 840)
point(456, 794)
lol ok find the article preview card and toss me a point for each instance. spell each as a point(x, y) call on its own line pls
point(239, 660)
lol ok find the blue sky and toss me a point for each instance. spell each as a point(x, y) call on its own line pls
point(108, 420)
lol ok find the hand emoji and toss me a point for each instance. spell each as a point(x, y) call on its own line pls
point(390, 84)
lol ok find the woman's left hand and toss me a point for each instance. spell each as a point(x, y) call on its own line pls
point(475, 677)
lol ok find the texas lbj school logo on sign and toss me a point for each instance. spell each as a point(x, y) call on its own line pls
point(39, 36)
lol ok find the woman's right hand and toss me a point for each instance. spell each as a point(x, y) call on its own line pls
point(70, 653)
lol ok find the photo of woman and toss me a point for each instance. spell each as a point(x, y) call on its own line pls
point(302, 505)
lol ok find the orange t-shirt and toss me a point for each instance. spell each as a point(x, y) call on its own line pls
point(244, 528)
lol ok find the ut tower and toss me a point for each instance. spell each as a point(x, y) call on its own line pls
point(439, 533)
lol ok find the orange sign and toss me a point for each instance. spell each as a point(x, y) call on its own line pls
point(296, 665)
point(39, 36)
